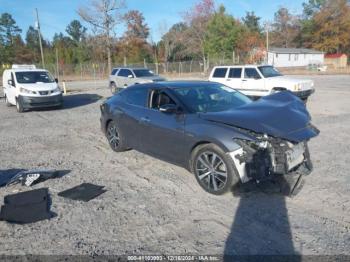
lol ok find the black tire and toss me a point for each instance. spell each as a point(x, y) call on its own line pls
point(7, 102)
point(115, 138)
point(113, 87)
point(19, 106)
point(59, 107)
point(223, 184)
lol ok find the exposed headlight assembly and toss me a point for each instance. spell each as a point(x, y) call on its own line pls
point(27, 91)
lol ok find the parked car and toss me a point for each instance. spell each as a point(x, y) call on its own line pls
point(258, 81)
point(214, 131)
point(28, 87)
point(123, 77)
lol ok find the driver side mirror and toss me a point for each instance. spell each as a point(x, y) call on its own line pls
point(257, 77)
point(169, 108)
point(10, 82)
point(130, 76)
point(56, 80)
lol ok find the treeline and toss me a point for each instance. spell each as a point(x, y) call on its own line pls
point(207, 33)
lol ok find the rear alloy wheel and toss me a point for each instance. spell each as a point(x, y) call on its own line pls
point(115, 139)
point(19, 106)
point(214, 170)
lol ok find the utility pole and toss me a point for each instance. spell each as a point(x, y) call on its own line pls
point(267, 42)
point(40, 43)
point(57, 68)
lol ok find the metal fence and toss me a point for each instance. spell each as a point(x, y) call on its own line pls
point(100, 70)
point(90, 71)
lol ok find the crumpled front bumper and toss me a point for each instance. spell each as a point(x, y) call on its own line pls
point(279, 158)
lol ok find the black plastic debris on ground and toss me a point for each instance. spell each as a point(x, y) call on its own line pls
point(26, 207)
point(28, 177)
point(84, 192)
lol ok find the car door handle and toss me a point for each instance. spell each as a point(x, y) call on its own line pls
point(244, 80)
point(228, 79)
point(145, 120)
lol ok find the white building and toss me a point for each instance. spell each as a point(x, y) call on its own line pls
point(294, 57)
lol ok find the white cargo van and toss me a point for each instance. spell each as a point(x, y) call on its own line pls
point(27, 87)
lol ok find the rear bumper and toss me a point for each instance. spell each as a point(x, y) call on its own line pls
point(40, 102)
point(303, 95)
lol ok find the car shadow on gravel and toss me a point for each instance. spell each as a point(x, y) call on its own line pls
point(78, 100)
point(73, 101)
point(261, 226)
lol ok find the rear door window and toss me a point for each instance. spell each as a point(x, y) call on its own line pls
point(135, 96)
point(251, 73)
point(114, 71)
point(235, 73)
point(124, 72)
point(220, 72)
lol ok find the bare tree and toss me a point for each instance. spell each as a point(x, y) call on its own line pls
point(197, 19)
point(103, 16)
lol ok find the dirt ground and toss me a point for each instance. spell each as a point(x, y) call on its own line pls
point(152, 207)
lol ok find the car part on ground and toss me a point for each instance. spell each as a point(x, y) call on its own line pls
point(31, 177)
point(26, 207)
point(212, 130)
point(84, 192)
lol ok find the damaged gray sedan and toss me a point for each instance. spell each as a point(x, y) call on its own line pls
point(214, 131)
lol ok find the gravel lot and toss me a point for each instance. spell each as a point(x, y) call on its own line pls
point(152, 207)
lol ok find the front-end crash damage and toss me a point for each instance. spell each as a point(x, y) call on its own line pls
point(267, 158)
point(271, 137)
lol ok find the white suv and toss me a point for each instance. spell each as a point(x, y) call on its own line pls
point(258, 81)
point(123, 77)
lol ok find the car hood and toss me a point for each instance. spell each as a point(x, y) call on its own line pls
point(280, 115)
point(39, 86)
point(278, 80)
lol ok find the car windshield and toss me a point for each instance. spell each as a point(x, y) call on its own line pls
point(269, 71)
point(143, 72)
point(32, 77)
point(213, 98)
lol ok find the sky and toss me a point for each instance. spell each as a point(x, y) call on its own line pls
point(55, 15)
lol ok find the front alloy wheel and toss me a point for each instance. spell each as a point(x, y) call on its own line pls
point(211, 171)
point(113, 88)
point(214, 169)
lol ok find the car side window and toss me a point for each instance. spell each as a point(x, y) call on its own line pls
point(114, 71)
point(251, 73)
point(135, 96)
point(235, 73)
point(124, 72)
point(159, 98)
point(220, 72)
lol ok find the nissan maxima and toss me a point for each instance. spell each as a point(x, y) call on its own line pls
point(217, 133)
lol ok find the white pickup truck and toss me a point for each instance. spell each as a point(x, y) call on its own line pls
point(257, 81)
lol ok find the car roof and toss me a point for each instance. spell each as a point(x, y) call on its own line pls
point(27, 70)
point(224, 66)
point(131, 68)
point(175, 84)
